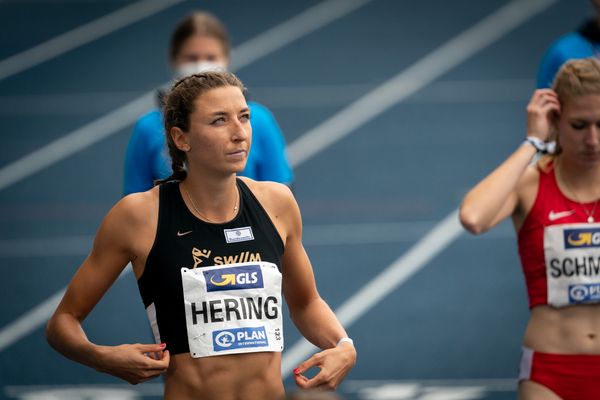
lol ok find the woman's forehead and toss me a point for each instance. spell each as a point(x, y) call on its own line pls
point(586, 104)
point(220, 98)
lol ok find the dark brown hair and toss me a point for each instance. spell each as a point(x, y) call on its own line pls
point(202, 24)
point(180, 104)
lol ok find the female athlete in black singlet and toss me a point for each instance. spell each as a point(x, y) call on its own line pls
point(213, 254)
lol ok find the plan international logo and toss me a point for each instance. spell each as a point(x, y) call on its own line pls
point(240, 338)
point(582, 238)
point(234, 278)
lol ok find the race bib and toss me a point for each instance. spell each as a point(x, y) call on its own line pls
point(233, 308)
point(572, 254)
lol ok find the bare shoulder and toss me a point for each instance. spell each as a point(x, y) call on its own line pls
point(530, 178)
point(272, 195)
point(527, 189)
point(136, 209)
point(279, 203)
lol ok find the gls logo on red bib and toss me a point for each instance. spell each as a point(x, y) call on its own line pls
point(581, 238)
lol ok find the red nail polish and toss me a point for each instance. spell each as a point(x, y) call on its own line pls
point(296, 371)
point(163, 344)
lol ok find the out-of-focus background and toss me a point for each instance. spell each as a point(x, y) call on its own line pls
point(391, 109)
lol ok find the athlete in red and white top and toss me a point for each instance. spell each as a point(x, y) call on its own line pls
point(553, 203)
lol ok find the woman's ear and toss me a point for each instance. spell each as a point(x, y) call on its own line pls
point(180, 139)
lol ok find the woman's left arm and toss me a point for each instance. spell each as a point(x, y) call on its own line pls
point(310, 313)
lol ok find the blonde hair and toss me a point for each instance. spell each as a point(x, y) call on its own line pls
point(577, 78)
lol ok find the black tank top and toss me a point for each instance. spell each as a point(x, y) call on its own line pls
point(182, 240)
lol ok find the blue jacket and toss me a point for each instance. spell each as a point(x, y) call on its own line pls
point(583, 43)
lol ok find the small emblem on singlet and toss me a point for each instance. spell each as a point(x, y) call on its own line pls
point(553, 216)
point(238, 234)
point(198, 255)
point(179, 233)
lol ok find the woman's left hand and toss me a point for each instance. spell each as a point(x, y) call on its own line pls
point(334, 365)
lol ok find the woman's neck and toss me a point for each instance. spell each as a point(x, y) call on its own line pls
point(214, 199)
point(585, 182)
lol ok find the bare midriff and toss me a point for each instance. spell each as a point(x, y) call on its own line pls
point(567, 330)
point(229, 377)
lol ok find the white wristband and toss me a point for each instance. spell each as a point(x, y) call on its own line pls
point(536, 142)
point(540, 145)
point(345, 340)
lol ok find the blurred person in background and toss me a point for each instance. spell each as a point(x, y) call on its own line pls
point(582, 43)
point(553, 203)
point(212, 253)
point(199, 43)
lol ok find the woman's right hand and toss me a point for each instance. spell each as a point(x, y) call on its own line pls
point(541, 113)
point(134, 363)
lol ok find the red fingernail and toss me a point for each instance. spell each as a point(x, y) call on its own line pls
point(163, 344)
point(296, 371)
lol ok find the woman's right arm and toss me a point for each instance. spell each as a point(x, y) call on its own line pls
point(111, 252)
point(497, 196)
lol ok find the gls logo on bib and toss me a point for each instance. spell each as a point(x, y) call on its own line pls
point(235, 278)
point(581, 238)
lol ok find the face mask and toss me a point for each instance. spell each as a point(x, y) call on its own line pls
point(192, 68)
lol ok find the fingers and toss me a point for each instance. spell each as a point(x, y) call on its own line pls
point(160, 364)
point(150, 348)
point(320, 381)
point(542, 109)
point(543, 101)
point(314, 361)
point(165, 360)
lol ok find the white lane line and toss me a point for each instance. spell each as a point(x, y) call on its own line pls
point(302, 24)
point(383, 284)
point(491, 384)
point(458, 49)
point(82, 35)
point(414, 78)
point(74, 141)
point(313, 235)
point(306, 22)
point(36, 317)
point(278, 97)
point(263, 44)
point(30, 321)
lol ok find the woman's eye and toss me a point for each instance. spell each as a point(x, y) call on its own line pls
point(218, 121)
point(245, 117)
point(578, 125)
